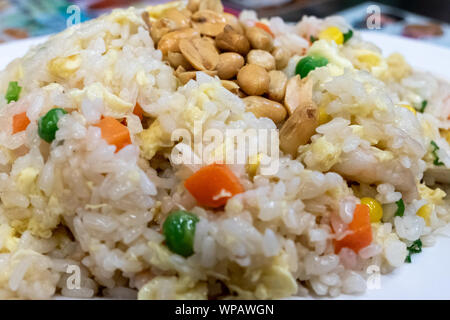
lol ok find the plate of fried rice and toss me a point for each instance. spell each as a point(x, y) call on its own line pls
point(181, 152)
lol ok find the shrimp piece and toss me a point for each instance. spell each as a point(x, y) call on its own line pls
point(362, 165)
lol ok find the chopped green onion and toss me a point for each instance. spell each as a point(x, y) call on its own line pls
point(348, 35)
point(312, 39)
point(423, 106)
point(436, 161)
point(400, 208)
point(13, 92)
point(415, 247)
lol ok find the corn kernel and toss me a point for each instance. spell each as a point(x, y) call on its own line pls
point(407, 106)
point(324, 117)
point(332, 33)
point(425, 212)
point(376, 211)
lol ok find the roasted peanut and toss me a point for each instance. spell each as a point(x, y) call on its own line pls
point(230, 40)
point(177, 59)
point(230, 86)
point(171, 40)
point(184, 77)
point(253, 79)
point(261, 58)
point(214, 5)
point(277, 85)
point(229, 65)
point(262, 107)
point(200, 53)
point(298, 93)
point(233, 21)
point(259, 38)
point(181, 21)
point(281, 56)
point(193, 5)
point(171, 20)
point(208, 22)
point(299, 128)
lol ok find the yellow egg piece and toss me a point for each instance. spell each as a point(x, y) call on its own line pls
point(324, 117)
point(407, 106)
point(332, 33)
point(375, 209)
point(425, 212)
point(253, 164)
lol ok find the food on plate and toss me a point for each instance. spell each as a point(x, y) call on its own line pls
point(107, 190)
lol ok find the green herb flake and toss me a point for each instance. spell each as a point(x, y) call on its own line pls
point(13, 92)
point(415, 247)
point(400, 208)
point(348, 35)
point(312, 39)
point(423, 106)
point(436, 161)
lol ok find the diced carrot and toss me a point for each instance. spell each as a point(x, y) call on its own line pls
point(361, 235)
point(213, 185)
point(114, 132)
point(20, 122)
point(138, 111)
point(265, 27)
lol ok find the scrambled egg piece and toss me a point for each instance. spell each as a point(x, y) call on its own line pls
point(371, 61)
point(26, 179)
point(64, 67)
point(434, 196)
point(272, 281)
point(96, 90)
point(153, 139)
point(183, 288)
point(330, 50)
point(325, 153)
point(398, 67)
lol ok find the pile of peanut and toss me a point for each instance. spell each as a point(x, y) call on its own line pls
point(202, 37)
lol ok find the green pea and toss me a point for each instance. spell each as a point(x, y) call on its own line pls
point(48, 124)
point(179, 231)
point(308, 64)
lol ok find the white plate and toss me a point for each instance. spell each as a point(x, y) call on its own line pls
point(428, 276)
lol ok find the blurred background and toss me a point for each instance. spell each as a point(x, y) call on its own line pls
point(425, 20)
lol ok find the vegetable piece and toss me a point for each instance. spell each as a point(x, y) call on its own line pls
point(361, 228)
point(114, 132)
point(265, 27)
point(423, 106)
point(415, 247)
point(348, 35)
point(332, 34)
point(324, 117)
point(138, 111)
point(48, 124)
point(20, 122)
point(13, 91)
point(213, 185)
point(308, 64)
point(425, 212)
point(312, 39)
point(436, 161)
point(400, 208)
point(376, 210)
point(179, 232)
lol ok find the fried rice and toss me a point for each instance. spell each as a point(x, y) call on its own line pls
point(82, 217)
